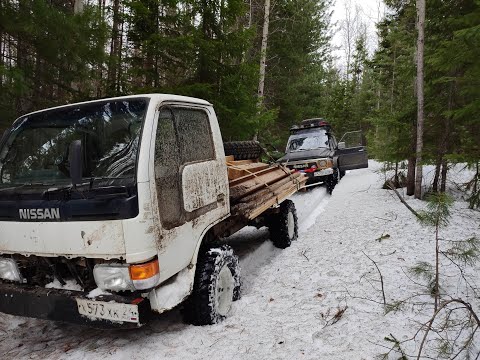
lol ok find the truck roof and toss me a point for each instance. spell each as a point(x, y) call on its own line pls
point(159, 97)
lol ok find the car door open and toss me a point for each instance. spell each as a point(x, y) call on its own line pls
point(351, 151)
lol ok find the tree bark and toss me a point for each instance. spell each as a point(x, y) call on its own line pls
point(77, 6)
point(420, 96)
point(411, 175)
point(443, 184)
point(436, 178)
point(412, 162)
point(114, 58)
point(263, 54)
point(263, 60)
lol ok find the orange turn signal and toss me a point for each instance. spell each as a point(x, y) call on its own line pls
point(144, 271)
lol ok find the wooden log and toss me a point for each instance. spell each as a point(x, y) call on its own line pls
point(235, 172)
point(258, 199)
point(259, 202)
point(258, 211)
point(250, 176)
point(242, 162)
point(294, 179)
point(255, 208)
point(252, 185)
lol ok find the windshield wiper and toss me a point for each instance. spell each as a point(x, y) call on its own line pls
point(24, 185)
point(67, 189)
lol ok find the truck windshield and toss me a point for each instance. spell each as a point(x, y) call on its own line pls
point(37, 149)
point(303, 142)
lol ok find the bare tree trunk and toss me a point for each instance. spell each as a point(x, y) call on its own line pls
point(113, 61)
point(21, 63)
point(395, 178)
point(443, 184)
point(250, 14)
point(412, 160)
point(120, 69)
point(263, 60)
point(411, 175)
point(420, 96)
point(77, 9)
point(263, 54)
point(436, 178)
point(78, 6)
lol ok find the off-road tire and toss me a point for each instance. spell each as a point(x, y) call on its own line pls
point(202, 307)
point(243, 150)
point(336, 174)
point(281, 233)
point(330, 183)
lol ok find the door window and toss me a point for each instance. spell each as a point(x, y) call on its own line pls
point(352, 139)
point(167, 166)
point(194, 135)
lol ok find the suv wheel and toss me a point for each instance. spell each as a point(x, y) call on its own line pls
point(331, 182)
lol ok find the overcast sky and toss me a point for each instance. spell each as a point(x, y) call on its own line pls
point(369, 12)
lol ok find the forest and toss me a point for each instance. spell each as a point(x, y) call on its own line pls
point(264, 65)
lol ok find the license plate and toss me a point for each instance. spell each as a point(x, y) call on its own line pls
point(108, 310)
point(323, 172)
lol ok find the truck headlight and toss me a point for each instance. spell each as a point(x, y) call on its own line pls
point(121, 277)
point(145, 276)
point(115, 277)
point(9, 270)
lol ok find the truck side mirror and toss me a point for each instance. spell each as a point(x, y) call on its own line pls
point(341, 145)
point(75, 160)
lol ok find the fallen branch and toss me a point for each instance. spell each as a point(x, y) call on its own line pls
point(336, 318)
point(381, 278)
point(392, 187)
point(430, 322)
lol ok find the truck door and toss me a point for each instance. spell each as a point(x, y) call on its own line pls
point(351, 151)
point(191, 182)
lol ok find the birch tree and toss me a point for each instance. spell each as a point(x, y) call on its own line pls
point(420, 95)
point(263, 54)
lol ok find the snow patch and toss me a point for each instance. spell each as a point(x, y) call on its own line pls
point(69, 285)
point(97, 292)
point(292, 294)
point(174, 291)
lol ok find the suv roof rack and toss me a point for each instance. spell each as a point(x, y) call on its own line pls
point(310, 124)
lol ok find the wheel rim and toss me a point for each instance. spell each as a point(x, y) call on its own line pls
point(291, 225)
point(224, 291)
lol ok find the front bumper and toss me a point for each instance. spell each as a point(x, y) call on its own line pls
point(61, 305)
point(318, 175)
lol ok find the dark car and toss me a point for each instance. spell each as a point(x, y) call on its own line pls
point(313, 149)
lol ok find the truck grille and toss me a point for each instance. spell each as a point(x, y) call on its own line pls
point(40, 271)
point(302, 166)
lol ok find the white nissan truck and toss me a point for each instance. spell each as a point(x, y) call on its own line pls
point(110, 212)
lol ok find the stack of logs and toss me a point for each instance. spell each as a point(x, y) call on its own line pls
point(255, 186)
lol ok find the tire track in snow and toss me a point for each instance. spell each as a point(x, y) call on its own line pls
point(310, 205)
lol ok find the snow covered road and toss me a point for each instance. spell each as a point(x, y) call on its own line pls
point(290, 296)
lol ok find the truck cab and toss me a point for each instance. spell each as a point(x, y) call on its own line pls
point(110, 211)
point(150, 181)
point(312, 149)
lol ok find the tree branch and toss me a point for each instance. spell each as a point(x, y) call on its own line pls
point(381, 278)
point(392, 186)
